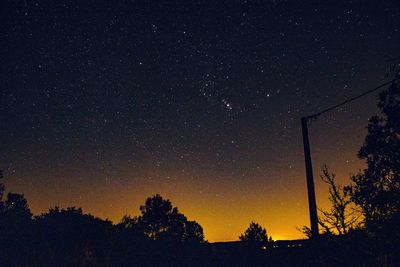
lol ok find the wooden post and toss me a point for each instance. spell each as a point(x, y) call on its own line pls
point(310, 179)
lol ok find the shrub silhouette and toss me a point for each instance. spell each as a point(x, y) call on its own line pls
point(255, 234)
point(161, 221)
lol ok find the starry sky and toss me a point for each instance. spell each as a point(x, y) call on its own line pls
point(104, 103)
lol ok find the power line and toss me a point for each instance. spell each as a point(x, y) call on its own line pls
point(351, 99)
point(308, 161)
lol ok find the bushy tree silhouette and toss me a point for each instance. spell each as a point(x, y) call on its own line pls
point(70, 238)
point(129, 222)
point(377, 189)
point(161, 221)
point(193, 232)
point(255, 234)
point(16, 207)
point(15, 229)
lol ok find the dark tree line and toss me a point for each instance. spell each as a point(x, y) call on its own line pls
point(361, 228)
point(69, 237)
point(160, 236)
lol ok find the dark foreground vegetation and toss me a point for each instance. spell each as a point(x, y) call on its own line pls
point(162, 236)
point(361, 229)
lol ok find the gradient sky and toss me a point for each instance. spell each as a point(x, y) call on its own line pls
point(105, 104)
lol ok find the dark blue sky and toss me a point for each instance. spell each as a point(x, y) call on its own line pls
point(197, 100)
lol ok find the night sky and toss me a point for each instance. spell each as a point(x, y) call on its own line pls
point(105, 104)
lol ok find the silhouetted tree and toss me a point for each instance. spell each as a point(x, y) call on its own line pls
point(161, 221)
point(340, 218)
point(15, 231)
point(156, 216)
point(305, 230)
point(67, 237)
point(129, 222)
point(193, 232)
point(15, 216)
point(255, 234)
point(16, 207)
point(377, 189)
point(130, 227)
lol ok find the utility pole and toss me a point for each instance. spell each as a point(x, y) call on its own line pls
point(310, 179)
point(307, 155)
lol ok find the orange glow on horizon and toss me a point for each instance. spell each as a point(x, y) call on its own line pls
point(222, 202)
point(224, 211)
